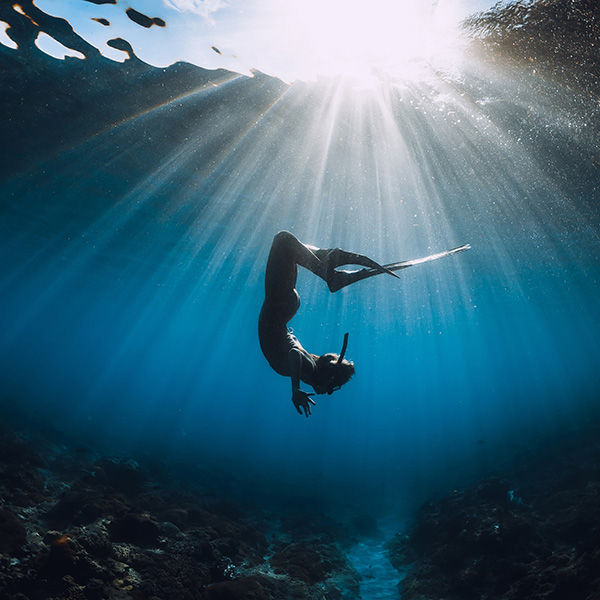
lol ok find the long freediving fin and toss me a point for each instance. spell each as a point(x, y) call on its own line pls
point(345, 277)
point(417, 261)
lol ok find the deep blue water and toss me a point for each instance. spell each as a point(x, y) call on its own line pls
point(133, 253)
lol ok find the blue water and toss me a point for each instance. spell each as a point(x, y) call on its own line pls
point(378, 579)
point(134, 253)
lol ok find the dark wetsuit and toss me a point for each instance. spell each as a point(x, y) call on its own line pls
point(282, 300)
point(283, 351)
point(281, 303)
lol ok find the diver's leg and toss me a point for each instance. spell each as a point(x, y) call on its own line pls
point(287, 252)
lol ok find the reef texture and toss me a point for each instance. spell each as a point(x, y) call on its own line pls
point(78, 525)
point(534, 534)
point(557, 37)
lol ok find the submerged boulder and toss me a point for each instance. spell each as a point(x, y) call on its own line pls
point(140, 529)
point(243, 588)
point(12, 533)
point(535, 536)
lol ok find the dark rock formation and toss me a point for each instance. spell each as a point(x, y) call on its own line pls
point(12, 533)
point(555, 37)
point(535, 534)
point(82, 526)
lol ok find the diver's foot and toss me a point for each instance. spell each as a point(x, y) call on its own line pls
point(338, 258)
point(337, 280)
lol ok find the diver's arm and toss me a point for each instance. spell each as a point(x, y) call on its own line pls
point(300, 398)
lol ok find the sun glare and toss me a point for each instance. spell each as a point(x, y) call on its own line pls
point(362, 42)
point(366, 40)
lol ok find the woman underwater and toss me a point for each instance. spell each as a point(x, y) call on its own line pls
point(282, 349)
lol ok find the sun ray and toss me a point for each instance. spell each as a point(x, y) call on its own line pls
point(146, 246)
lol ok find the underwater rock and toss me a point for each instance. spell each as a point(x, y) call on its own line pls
point(494, 489)
point(67, 560)
point(246, 588)
point(117, 528)
point(310, 563)
point(80, 505)
point(123, 475)
point(177, 516)
point(21, 482)
point(231, 536)
point(95, 540)
point(535, 537)
point(544, 35)
point(12, 533)
point(139, 529)
point(462, 542)
point(171, 573)
point(14, 451)
point(68, 505)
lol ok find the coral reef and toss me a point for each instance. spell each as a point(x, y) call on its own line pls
point(534, 533)
point(556, 37)
point(78, 525)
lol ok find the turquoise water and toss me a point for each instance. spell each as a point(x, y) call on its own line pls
point(138, 211)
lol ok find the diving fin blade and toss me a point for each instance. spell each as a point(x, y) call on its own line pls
point(417, 261)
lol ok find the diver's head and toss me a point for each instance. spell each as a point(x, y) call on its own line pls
point(331, 373)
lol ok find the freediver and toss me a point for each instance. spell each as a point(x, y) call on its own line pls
point(284, 352)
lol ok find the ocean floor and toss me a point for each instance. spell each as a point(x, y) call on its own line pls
point(533, 531)
point(79, 523)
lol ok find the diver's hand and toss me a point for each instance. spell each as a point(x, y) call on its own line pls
point(302, 400)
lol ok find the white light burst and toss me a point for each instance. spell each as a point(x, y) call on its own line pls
point(363, 41)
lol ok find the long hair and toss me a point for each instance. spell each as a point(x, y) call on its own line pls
point(333, 372)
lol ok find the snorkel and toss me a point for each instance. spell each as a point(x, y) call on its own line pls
point(332, 387)
point(332, 371)
point(344, 346)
